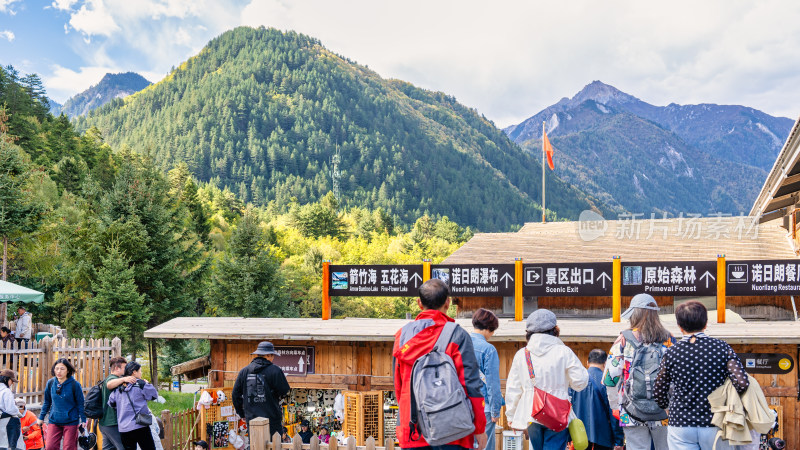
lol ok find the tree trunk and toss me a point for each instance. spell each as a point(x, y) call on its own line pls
point(4, 305)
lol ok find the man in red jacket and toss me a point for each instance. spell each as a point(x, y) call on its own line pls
point(434, 301)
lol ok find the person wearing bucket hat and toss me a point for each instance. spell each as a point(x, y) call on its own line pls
point(556, 369)
point(259, 387)
point(646, 334)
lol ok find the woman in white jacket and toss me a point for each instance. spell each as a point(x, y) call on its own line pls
point(557, 369)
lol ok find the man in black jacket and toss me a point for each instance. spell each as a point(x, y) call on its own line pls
point(259, 387)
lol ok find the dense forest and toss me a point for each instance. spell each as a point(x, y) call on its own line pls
point(119, 245)
point(263, 113)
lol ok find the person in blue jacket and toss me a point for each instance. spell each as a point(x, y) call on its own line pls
point(592, 407)
point(485, 323)
point(63, 400)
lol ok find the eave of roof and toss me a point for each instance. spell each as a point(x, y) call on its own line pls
point(778, 189)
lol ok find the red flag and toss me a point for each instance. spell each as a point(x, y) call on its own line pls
point(548, 148)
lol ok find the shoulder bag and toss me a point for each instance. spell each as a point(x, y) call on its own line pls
point(548, 410)
point(144, 419)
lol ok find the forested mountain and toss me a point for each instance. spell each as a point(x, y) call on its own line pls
point(641, 158)
point(263, 113)
point(113, 85)
point(118, 245)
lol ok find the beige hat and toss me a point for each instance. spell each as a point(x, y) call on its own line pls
point(9, 373)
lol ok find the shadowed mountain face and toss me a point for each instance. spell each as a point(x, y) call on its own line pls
point(263, 113)
point(113, 85)
point(642, 158)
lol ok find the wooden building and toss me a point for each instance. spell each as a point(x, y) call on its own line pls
point(355, 354)
point(632, 239)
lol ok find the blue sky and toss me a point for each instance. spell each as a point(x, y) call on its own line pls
point(506, 59)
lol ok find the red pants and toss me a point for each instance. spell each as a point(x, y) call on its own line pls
point(55, 433)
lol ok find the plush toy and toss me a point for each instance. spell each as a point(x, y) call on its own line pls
point(235, 440)
point(221, 397)
point(205, 400)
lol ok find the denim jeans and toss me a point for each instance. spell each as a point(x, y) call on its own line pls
point(490, 441)
point(695, 438)
point(543, 438)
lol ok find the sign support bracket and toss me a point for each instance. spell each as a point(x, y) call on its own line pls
point(721, 279)
point(518, 299)
point(616, 290)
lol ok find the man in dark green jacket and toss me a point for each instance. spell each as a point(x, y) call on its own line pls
point(259, 387)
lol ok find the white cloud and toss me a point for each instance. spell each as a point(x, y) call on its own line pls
point(93, 18)
point(62, 5)
point(7, 34)
point(5, 6)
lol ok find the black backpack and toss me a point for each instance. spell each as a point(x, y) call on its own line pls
point(93, 405)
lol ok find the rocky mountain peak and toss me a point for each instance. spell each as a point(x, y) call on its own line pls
point(602, 93)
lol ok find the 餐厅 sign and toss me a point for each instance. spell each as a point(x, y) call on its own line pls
point(375, 280)
point(477, 280)
point(567, 279)
point(295, 360)
point(669, 278)
point(772, 363)
point(765, 277)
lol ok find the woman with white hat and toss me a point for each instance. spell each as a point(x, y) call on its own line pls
point(556, 368)
point(646, 333)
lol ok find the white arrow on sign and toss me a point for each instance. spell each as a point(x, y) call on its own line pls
point(417, 279)
point(707, 275)
point(508, 278)
point(534, 277)
point(604, 276)
point(301, 365)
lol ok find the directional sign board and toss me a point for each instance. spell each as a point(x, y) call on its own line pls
point(768, 277)
point(376, 280)
point(668, 278)
point(295, 360)
point(566, 280)
point(477, 280)
point(776, 363)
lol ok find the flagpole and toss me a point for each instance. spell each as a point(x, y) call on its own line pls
point(543, 163)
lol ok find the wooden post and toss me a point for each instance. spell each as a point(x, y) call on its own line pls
point(153, 354)
point(616, 290)
point(426, 270)
point(275, 443)
point(168, 432)
point(389, 444)
point(721, 278)
point(259, 433)
point(326, 290)
point(519, 306)
point(218, 350)
point(116, 347)
point(351, 443)
point(333, 443)
point(370, 443)
point(47, 360)
point(314, 443)
point(297, 442)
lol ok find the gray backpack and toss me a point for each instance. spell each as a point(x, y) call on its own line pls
point(638, 400)
point(439, 405)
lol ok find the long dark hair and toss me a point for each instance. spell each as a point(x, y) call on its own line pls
point(66, 363)
point(649, 326)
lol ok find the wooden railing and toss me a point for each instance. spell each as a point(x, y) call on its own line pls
point(33, 363)
point(181, 429)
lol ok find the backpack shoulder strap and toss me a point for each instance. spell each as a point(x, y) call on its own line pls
point(631, 337)
point(448, 330)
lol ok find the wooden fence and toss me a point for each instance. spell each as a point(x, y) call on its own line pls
point(181, 429)
point(33, 363)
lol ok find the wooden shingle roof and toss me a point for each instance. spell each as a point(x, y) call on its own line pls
point(688, 238)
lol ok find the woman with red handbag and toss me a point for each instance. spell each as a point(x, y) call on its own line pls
point(537, 397)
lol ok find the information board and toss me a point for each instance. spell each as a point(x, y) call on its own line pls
point(376, 280)
point(776, 363)
point(295, 360)
point(767, 277)
point(668, 278)
point(477, 280)
point(567, 279)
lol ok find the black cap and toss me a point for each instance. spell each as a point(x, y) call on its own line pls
point(265, 348)
point(305, 423)
point(203, 444)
